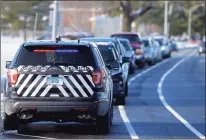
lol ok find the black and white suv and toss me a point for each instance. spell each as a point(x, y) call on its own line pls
point(57, 81)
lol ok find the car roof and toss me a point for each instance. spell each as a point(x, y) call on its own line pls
point(123, 39)
point(52, 42)
point(99, 39)
point(125, 33)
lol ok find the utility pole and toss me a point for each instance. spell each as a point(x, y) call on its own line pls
point(35, 24)
point(191, 10)
point(166, 19)
point(93, 17)
point(54, 23)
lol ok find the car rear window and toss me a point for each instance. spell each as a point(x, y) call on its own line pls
point(160, 41)
point(145, 43)
point(67, 55)
point(126, 45)
point(131, 38)
point(107, 53)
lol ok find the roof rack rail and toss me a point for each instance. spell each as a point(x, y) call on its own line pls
point(58, 38)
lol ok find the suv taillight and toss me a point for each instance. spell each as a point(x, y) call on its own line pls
point(12, 76)
point(97, 76)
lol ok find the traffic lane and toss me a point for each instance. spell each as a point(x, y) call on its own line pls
point(72, 130)
point(184, 91)
point(148, 116)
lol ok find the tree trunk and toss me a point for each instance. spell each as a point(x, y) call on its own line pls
point(127, 23)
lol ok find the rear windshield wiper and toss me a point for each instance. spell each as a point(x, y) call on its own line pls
point(63, 63)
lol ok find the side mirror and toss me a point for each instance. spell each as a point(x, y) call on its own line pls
point(109, 66)
point(126, 60)
point(8, 63)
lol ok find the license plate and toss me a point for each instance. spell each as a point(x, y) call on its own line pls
point(54, 81)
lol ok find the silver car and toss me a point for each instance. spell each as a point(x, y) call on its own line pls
point(152, 51)
point(164, 42)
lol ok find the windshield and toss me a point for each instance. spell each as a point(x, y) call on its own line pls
point(131, 38)
point(59, 56)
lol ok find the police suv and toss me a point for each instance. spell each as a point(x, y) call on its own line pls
point(58, 81)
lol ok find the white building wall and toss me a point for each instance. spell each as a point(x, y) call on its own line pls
point(105, 25)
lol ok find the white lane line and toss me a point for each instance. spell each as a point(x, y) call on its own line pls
point(169, 108)
point(127, 122)
point(123, 114)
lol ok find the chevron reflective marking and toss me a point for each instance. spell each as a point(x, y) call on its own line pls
point(46, 90)
point(40, 86)
point(85, 84)
point(90, 79)
point(32, 85)
point(78, 86)
point(63, 91)
point(19, 79)
point(24, 84)
point(70, 87)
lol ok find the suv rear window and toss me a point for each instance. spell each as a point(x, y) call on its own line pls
point(131, 38)
point(107, 53)
point(64, 55)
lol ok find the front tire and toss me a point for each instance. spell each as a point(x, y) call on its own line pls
point(121, 100)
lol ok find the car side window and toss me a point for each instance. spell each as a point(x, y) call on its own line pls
point(100, 57)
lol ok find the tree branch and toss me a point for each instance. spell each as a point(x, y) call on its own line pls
point(140, 11)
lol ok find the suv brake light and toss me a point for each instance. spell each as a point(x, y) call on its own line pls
point(12, 76)
point(97, 76)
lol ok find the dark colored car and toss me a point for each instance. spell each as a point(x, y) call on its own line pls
point(123, 59)
point(120, 87)
point(130, 53)
point(58, 81)
point(135, 42)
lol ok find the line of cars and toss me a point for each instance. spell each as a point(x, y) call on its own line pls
point(73, 80)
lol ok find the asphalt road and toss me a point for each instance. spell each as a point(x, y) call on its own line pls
point(166, 101)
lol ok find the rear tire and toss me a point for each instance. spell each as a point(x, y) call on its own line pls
point(10, 122)
point(103, 123)
point(131, 69)
point(126, 89)
point(150, 63)
point(141, 65)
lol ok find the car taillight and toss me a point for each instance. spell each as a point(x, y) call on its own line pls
point(138, 51)
point(97, 76)
point(12, 76)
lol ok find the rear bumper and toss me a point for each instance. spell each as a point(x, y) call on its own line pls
point(94, 106)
